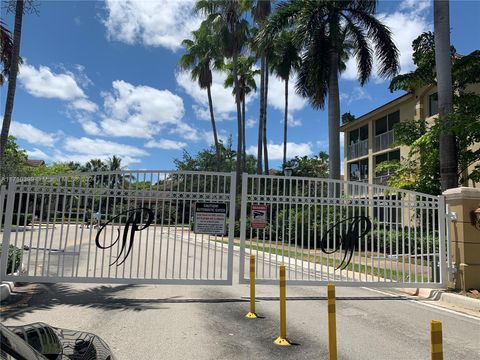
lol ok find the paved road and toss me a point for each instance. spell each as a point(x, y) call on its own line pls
point(207, 322)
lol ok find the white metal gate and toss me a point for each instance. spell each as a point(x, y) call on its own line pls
point(116, 227)
point(350, 233)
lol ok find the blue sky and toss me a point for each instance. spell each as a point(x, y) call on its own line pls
point(101, 79)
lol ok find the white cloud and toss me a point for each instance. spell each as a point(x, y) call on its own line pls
point(166, 144)
point(31, 134)
point(250, 123)
point(100, 147)
point(406, 24)
point(152, 23)
point(293, 121)
point(358, 93)
point(139, 111)
point(85, 105)
point(43, 82)
point(37, 154)
point(276, 94)
point(223, 100)
point(275, 151)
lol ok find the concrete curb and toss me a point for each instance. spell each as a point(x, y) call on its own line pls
point(6, 288)
point(446, 297)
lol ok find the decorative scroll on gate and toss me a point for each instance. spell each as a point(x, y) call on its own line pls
point(116, 227)
point(354, 234)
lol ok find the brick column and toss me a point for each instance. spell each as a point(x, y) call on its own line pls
point(465, 237)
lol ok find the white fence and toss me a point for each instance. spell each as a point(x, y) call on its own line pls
point(116, 227)
point(139, 227)
point(355, 234)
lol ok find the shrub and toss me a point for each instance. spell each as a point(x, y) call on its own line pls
point(14, 258)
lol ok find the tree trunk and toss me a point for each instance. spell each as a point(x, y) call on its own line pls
point(265, 104)
point(443, 61)
point(285, 126)
point(238, 166)
point(244, 147)
point(12, 82)
point(333, 118)
point(214, 129)
point(260, 117)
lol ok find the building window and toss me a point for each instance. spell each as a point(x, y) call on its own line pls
point(387, 123)
point(433, 104)
point(358, 171)
point(390, 156)
point(358, 142)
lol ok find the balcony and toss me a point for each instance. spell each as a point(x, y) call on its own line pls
point(358, 149)
point(383, 141)
point(381, 180)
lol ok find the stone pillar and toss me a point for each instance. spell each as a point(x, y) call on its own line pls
point(465, 237)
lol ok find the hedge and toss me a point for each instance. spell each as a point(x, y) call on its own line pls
point(14, 257)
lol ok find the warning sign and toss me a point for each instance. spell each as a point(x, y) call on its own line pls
point(259, 216)
point(210, 218)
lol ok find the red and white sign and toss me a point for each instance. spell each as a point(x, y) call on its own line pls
point(259, 216)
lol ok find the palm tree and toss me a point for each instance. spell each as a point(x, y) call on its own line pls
point(227, 19)
point(12, 80)
point(286, 59)
point(325, 29)
point(260, 12)
point(246, 80)
point(201, 53)
point(6, 49)
point(443, 60)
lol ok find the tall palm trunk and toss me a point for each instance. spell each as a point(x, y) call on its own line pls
point(214, 128)
point(238, 167)
point(265, 104)
point(12, 82)
point(448, 150)
point(244, 147)
point(285, 126)
point(260, 121)
point(333, 117)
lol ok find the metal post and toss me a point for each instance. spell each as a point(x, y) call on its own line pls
point(332, 323)
point(436, 340)
point(282, 339)
point(252, 314)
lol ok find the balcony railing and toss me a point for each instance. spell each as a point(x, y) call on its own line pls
point(381, 180)
point(383, 141)
point(358, 149)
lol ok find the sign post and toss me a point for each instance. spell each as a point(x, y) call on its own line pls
point(210, 218)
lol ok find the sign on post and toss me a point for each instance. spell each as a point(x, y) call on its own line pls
point(259, 216)
point(210, 218)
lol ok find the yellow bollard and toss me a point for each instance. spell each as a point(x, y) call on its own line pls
point(252, 314)
point(436, 339)
point(332, 323)
point(282, 339)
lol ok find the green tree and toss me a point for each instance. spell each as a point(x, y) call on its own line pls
point(12, 81)
point(6, 49)
point(246, 80)
point(205, 160)
point(285, 60)
point(228, 20)
point(315, 166)
point(448, 150)
point(329, 31)
point(420, 170)
point(14, 161)
point(260, 11)
point(202, 53)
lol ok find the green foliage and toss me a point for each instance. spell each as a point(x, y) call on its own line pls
point(347, 118)
point(15, 160)
point(420, 170)
point(315, 166)
point(14, 258)
point(205, 160)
